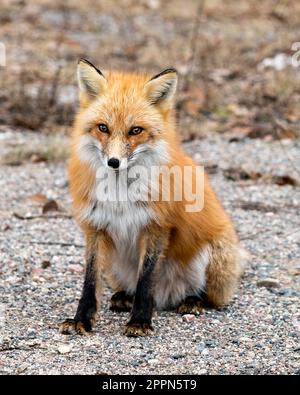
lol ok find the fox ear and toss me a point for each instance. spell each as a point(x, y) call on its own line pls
point(161, 88)
point(91, 81)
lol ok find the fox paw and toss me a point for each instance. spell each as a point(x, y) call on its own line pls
point(191, 305)
point(121, 301)
point(136, 330)
point(70, 326)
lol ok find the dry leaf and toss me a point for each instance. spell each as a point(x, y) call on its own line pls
point(259, 131)
point(45, 264)
point(284, 180)
point(50, 205)
point(235, 174)
point(294, 272)
point(75, 268)
point(38, 198)
point(6, 227)
point(36, 158)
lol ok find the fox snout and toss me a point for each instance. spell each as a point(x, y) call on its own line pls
point(116, 153)
point(117, 163)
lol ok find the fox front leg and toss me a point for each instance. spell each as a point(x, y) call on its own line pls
point(89, 302)
point(140, 323)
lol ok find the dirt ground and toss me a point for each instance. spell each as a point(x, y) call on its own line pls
point(42, 273)
point(238, 114)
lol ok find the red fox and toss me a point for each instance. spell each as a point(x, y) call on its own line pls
point(155, 253)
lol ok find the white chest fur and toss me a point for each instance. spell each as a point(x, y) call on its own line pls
point(123, 221)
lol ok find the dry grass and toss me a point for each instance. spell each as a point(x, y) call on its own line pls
point(218, 51)
point(52, 147)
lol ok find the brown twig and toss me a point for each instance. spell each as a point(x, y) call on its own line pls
point(54, 243)
point(30, 348)
point(248, 237)
point(193, 46)
point(259, 206)
point(30, 217)
point(55, 87)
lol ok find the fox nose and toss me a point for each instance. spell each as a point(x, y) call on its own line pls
point(114, 163)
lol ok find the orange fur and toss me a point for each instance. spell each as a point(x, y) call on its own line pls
point(123, 102)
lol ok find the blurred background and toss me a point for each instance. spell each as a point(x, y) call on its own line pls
point(238, 110)
point(234, 60)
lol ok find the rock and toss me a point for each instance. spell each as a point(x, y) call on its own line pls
point(287, 292)
point(210, 343)
point(62, 183)
point(295, 272)
point(21, 369)
point(45, 264)
point(153, 361)
point(201, 347)
point(135, 364)
point(178, 356)
point(188, 317)
point(36, 274)
point(153, 4)
point(74, 268)
point(245, 339)
point(64, 349)
point(203, 371)
point(268, 283)
point(31, 333)
point(205, 351)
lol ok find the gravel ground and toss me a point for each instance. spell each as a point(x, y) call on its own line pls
point(42, 264)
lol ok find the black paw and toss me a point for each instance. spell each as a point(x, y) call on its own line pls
point(191, 305)
point(136, 330)
point(121, 301)
point(70, 326)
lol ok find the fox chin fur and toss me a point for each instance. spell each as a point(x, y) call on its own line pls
point(154, 253)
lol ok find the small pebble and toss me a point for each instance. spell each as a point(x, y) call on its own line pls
point(188, 317)
point(203, 371)
point(268, 283)
point(258, 333)
point(45, 264)
point(64, 349)
point(153, 361)
point(205, 351)
point(75, 268)
point(245, 339)
point(178, 356)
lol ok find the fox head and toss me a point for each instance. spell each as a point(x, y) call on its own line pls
point(124, 118)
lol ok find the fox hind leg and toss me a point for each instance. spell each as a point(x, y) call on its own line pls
point(223, 272)
point(191, 305)
point(121, 301)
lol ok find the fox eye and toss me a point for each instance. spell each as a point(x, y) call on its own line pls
point(103, 128)
point(135, 130)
